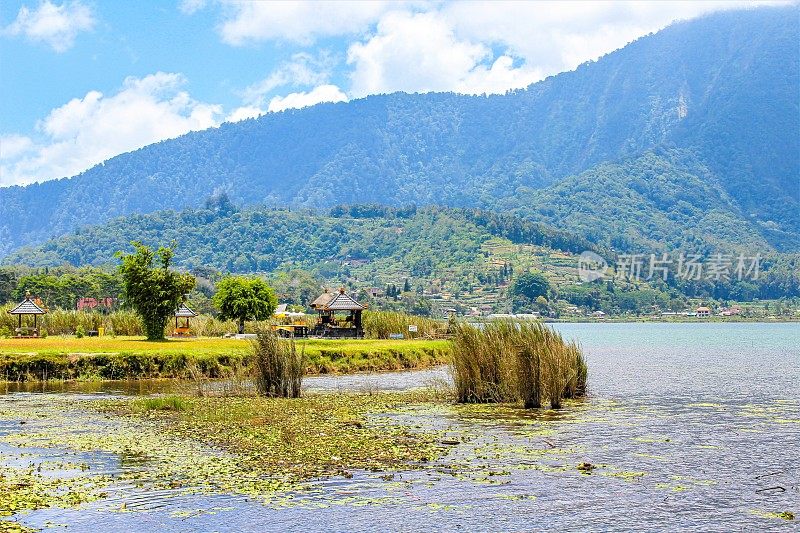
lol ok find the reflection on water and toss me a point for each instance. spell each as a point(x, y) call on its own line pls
point(362, 382)
point(688, 426)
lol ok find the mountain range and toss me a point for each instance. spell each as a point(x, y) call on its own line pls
point(688, 138)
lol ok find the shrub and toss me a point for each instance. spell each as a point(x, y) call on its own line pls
point(80, 332)
point(278, 367)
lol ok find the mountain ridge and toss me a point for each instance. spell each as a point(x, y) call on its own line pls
point(722, 87)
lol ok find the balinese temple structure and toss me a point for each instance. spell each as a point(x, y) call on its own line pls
point(331, 323)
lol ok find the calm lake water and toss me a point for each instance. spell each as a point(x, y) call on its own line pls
point(692, 427)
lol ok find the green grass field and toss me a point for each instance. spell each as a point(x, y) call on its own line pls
point(134, 357)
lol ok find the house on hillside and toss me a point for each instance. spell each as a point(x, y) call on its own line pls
point(373, 292)
point(703, 312)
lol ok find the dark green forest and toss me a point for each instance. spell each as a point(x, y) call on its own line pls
point(684, 138)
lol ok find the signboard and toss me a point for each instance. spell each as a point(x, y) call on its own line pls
point(396, 335)
point(412, 328)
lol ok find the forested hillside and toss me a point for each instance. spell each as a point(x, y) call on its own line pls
point(223, 237)
point(465, 252)
point(664, 200)
point(721, 90)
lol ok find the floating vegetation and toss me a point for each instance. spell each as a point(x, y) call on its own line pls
point(783, 515)
point(318, 435)
point(26, 489)
point(509, 361)
point(160, 403)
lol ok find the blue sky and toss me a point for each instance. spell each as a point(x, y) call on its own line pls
point(82, 81)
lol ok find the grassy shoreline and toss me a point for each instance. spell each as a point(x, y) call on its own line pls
point(107, 358)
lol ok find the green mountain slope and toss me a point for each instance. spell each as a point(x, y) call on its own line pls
point(665, 200)
point(722, 88)
point(225, 238)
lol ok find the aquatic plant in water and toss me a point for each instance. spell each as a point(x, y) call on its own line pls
point(508, 361)
point(278, 367)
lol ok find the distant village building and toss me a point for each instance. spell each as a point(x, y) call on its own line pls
point(373, 292)
point(703, 312)
point(85, 304)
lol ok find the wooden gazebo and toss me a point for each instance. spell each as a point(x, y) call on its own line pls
point(28, 306)
point(328, 325)
point(182, 327)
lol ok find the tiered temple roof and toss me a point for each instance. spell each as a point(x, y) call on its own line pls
point(184, 312)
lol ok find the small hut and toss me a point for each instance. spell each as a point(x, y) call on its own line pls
point(182, 328)
point(329, 325)
point(28, 306)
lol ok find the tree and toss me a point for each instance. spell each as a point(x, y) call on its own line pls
point(153, 291)
point(244, 298)
point(531, 285)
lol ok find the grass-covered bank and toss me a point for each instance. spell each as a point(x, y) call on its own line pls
point(70, 358)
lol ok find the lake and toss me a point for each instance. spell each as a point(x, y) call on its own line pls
point(686, 426)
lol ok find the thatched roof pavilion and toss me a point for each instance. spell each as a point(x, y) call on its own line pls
point(327, 304)
point(28, 306)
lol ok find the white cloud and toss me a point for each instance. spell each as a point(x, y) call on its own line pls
point(421, 52)
point(411, 52)
point(302, 70)
point(296, 21)
point(89, 130)
point(555, 36)
point(243, 113)
point(13, 146)
point(52, 24)
point(453, 46)
point(322, 93)
point(190, 7)
point(498, 78)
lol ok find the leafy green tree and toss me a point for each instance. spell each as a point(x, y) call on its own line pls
point(531, 285)
point(244, 298)
point(296, 287)
point(153, 291)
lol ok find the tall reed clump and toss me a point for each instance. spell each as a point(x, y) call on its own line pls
point(278, 366)
point(381, 324)
point(508, 361)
